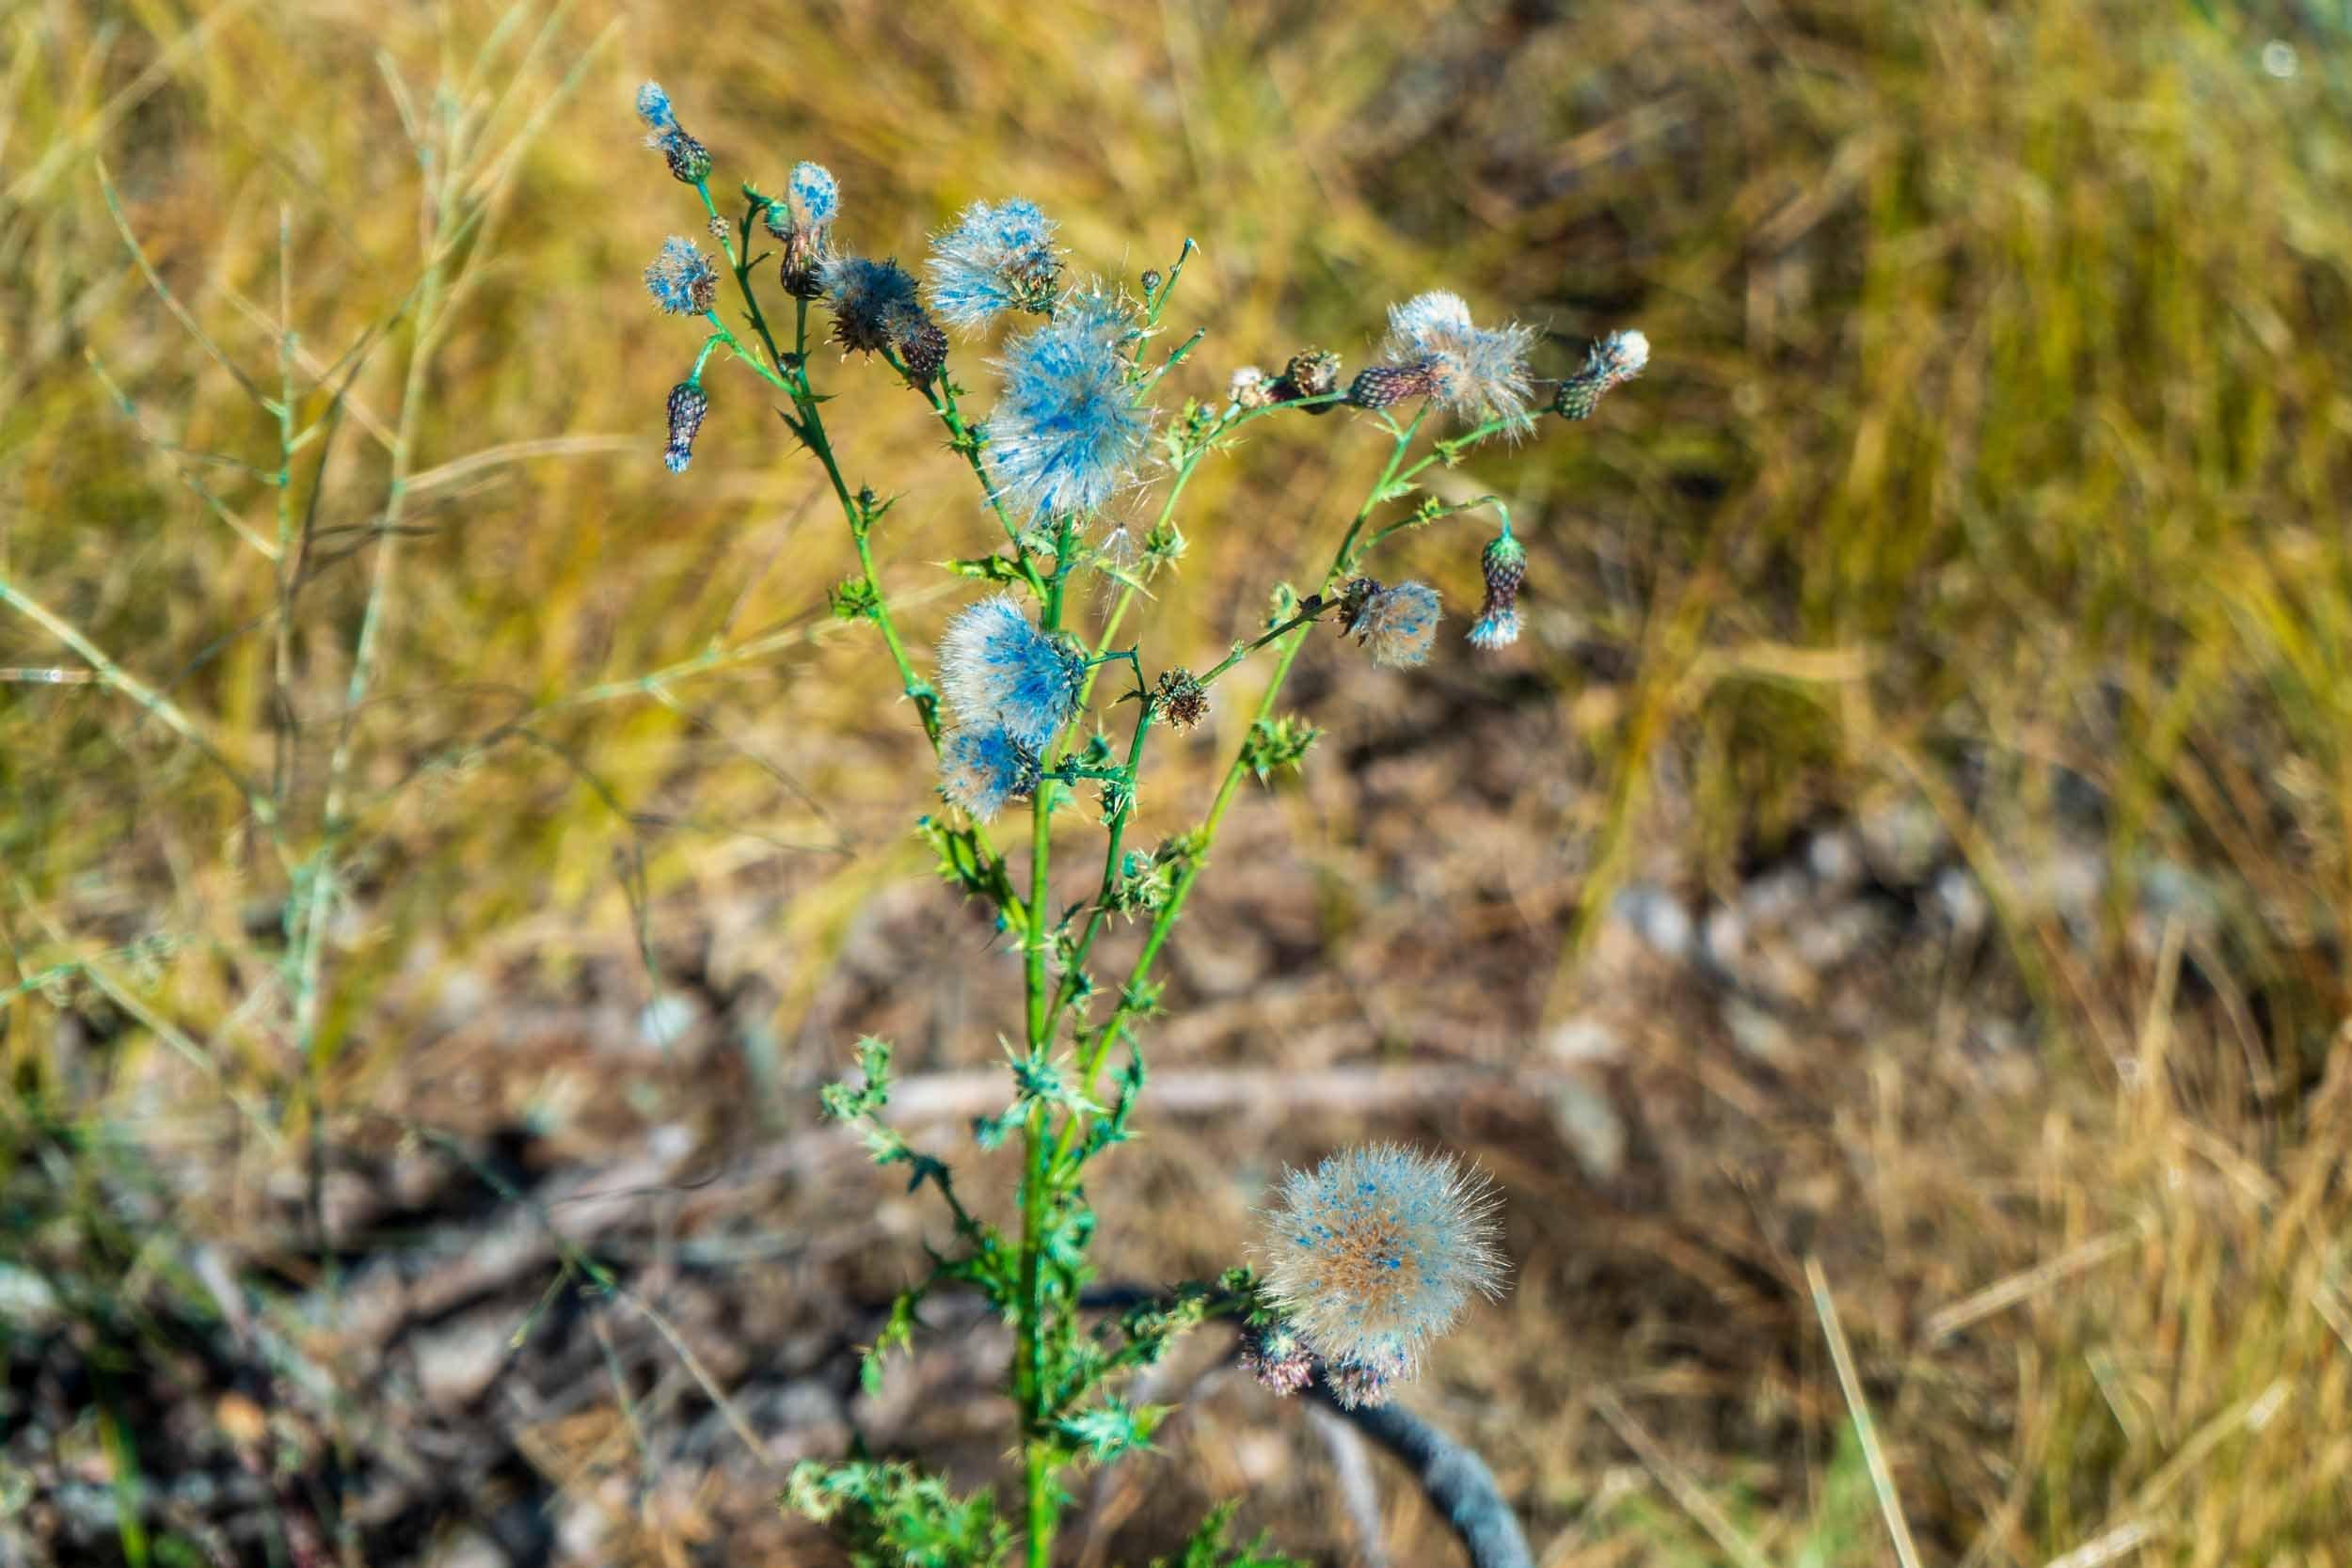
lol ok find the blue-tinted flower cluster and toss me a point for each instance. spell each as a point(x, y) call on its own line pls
point(981, 767)
point(995, 258)
point(997, 667)
point(1013, 687)
point(681, 278)
point(1435, 350)
point(1373, 1254)
point(873, 302)
point(687, 405)
point(689, 160)
point(802, 219)
point(1067, 432)
point(1503, 563)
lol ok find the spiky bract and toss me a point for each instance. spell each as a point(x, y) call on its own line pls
point(995, 258)
point(873, 303)
point(1066, 431)
point(681, 278)
point(1475, 372)
point(981, 767)
point(1376, 1251)
point(997, 667)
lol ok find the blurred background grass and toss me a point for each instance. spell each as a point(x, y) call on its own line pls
point(1991, 470)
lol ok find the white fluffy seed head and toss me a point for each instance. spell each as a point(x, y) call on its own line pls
point(1376, 1251)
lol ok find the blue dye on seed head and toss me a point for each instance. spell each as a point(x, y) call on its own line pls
point(997, 667)
point(995, 258)
point(1067, 432)
point(1386, 1246)
point(1497, 628)
point(981, 767)
point(681, 278)
point(814, 195)
point(653, 108)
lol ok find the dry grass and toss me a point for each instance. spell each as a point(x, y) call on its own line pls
point(1990, 477)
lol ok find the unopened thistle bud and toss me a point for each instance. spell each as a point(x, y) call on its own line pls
point(1278, 1358)
point(1384, 384)
point(687, 405)
point(1614, 359)
point(1180, 700)
point(1151, 281)
point(922, 345)
point(1311, 373)
point(1505, 566)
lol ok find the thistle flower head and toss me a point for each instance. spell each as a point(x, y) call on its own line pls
point(1279, 1359)
point(981, 767)
point(687, 405)
point(1397, 623)
point(995, 258)
point(1066, 431)
point(1477, 372)
point(813, 195)
point(1616, 358)
point(997, 668)
point(873, 302)
point(653, 108)
point(1504, 565)
point(802, 219)
point(681, 278)
point(1376, 1251)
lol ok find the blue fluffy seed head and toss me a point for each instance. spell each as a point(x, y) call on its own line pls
point(1495, 628)
point(981, 767)
point(1066, 431)
point(1376, 1251)
point(815, 196)
point(1475, 372)
point(681, 278)
point(995, 258)
point(653, 108)
point(1399, 623)
point(997, 668)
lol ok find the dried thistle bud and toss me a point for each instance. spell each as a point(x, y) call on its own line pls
point(1358, 592)
point(1311, 373)
point(1278, 1358)
point(687, 405)
point(1151, 281)
point(1366, 1381)
point(718, 227)
point(1614, 359)
point(1384, 385)
point(1250, 389)
point(1180, 699)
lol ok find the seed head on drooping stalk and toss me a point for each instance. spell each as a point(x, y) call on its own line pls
point(1504, 563)
point(1373, 1254)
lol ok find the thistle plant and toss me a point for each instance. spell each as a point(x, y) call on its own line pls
point(1369, 1256)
